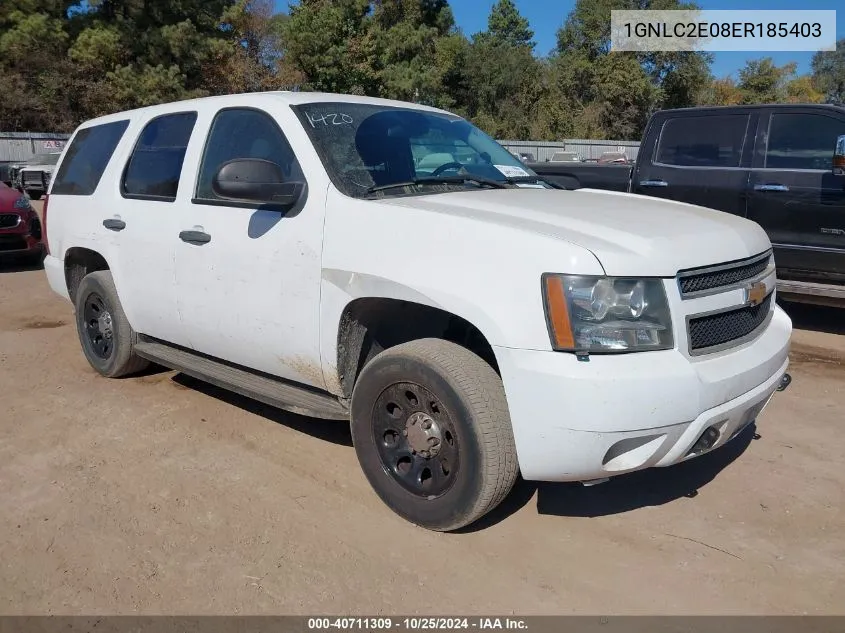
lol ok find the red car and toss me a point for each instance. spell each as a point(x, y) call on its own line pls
point(20, 228)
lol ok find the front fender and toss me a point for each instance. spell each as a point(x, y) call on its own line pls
point(339, 288)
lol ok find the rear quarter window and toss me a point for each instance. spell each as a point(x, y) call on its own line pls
point(86, 159)
point(703, 141)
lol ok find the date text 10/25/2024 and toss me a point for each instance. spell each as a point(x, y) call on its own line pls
point(415, 624)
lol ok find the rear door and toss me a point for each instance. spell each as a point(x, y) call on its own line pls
point(794, 194)
point(700, 158)
point(143, 221)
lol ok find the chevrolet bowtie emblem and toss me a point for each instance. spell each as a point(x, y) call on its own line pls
point(755, 293)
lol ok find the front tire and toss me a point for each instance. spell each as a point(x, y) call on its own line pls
point(107, 339)
point(432, 432)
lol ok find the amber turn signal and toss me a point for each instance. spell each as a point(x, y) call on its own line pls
point(560, 327)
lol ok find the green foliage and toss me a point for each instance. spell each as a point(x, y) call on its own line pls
point(328, 47)
point(405, 36)
point(632, 89)
point(507, 26)
point(64, 61)
point(763, 81)
point(829, 73)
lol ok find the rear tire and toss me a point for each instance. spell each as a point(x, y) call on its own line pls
point(107, 339)
point(432, 432)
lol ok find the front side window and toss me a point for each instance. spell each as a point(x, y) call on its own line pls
point(244, 133)
point(802, 141)
point(86, 159)
point(703, 141)
point(365, 146)
point(155, 166)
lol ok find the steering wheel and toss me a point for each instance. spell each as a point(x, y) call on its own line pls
point(445, 166)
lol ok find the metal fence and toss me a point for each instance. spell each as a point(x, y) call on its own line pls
point(585, 148)
point(19, 147)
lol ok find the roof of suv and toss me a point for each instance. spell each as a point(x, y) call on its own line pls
point(254, 98)
point(760, 106)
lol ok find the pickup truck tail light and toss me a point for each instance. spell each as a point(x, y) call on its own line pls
point(44, 225)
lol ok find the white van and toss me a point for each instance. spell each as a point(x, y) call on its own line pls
point(470, 320)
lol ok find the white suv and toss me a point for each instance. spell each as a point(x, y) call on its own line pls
point(470, 320)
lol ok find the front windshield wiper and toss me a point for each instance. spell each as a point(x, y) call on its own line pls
point(445, 180)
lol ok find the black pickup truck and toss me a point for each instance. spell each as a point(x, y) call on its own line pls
point(782, 166)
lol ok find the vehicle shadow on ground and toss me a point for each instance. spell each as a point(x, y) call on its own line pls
point(651, 487)
point(334, 431)
point(806, 316)
point(20, 266)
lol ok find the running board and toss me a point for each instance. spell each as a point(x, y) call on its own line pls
point(277, 393)
point(811, 292)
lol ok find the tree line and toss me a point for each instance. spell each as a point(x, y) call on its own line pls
point(64, 61)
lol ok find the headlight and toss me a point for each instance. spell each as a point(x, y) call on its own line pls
point(606, 314)
point(23, 203)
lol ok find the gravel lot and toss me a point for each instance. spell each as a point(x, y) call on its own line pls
point(158, 494)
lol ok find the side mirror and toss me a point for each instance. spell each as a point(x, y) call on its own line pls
point(255, 180)
point(839, 157)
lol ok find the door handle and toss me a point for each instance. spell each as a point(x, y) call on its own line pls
point(653, 183)
point(114, 224)
point(195, 237)
point(771, 187)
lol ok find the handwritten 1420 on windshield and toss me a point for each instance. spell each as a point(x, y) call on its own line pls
point(334, 118)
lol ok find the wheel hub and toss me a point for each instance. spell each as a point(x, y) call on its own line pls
point(424, 435)
point(104, 323)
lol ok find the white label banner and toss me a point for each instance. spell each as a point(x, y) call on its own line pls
point(723, 30)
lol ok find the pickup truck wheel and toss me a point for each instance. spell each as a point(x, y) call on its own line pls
point(105, 334)
point(432, 433)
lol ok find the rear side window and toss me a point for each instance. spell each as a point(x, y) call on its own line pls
point(802, 141)
point(703, 141)
point(86, 159)
point(155, 166)
point(244, 133)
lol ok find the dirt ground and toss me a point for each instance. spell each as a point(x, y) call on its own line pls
point(158, 494)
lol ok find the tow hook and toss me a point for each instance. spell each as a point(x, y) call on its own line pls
point(785, 380)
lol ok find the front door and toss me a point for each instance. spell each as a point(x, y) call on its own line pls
point(795, 196)
point(248, 276)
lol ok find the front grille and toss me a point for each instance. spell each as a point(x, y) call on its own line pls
point(33, 178)
point(12, 243)
point(692, 282)
point(9, 220)
point(726, 327)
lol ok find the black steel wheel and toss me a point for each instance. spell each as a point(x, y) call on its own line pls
point(416, 439)
point(106, 337)
point(432, 433)
point(98, 326)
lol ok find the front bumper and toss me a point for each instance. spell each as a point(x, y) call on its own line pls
point(577, 421)
point(16, 242)
point(55, 270)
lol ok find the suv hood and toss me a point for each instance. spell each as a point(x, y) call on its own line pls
point(631, 235)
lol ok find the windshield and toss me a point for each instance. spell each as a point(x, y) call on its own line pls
point(369, 148)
